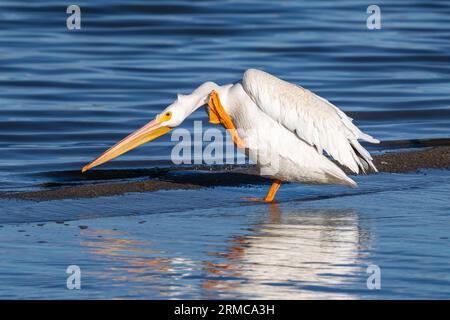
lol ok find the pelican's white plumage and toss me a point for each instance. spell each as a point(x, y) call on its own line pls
point(285, 129)
point(312, 118)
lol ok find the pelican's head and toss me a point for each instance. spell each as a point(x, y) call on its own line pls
point(176, 113)
point(170, 118)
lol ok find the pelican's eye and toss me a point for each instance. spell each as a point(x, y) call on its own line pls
point(166, 116)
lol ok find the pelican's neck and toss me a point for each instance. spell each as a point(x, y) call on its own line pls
point(203, 92)
point(200, 96)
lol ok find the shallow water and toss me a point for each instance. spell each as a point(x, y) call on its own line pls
point(158, 245)
point(65, 96)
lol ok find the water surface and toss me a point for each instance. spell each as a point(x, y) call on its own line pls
point(65, 96)
point(160, 246)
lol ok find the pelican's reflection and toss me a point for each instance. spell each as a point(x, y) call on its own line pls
point(289, 254)
point(294, 254)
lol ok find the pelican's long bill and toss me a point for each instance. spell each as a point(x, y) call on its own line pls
point(149, 132)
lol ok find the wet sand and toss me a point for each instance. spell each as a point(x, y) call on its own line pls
point(196, 177)
point(403, 162)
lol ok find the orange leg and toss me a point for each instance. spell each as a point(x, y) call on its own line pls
point(218, 115)
point(273, 191)
point(270, 194)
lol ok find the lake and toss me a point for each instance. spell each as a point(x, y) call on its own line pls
point(67, 95)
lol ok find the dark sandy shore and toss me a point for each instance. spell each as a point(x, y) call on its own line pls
point(204, 176)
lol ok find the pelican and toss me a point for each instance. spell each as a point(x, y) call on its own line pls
point(289, 132)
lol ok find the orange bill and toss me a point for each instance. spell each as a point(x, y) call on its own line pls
point(213, 116)
point(217, 114)
point(147, 133)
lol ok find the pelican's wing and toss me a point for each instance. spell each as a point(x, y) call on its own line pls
point(312, 118)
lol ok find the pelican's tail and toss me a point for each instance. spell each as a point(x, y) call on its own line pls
point(335, 175)
point(346, 181)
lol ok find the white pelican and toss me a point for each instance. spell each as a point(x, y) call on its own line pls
point(284, 128)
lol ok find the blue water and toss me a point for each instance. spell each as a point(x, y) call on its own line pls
point(65, 96)
point(207, 244)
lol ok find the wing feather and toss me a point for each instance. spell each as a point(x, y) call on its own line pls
point(312, 118)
